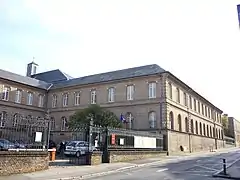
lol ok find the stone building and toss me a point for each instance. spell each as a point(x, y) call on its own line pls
point(149, 97)
point(234, 129)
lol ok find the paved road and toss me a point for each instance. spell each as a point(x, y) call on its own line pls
point(191, 169)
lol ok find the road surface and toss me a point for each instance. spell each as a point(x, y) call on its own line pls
point(199, 168)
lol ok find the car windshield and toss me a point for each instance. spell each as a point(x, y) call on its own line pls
point(71, 144)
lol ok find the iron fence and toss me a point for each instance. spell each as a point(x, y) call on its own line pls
point(26, 133)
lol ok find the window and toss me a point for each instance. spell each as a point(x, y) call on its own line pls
point(152, 90)
point(40, 100)
point(52, 123)
point(207, 131)
point(190, 101)
point(54, 101)
point(111, 94)
point(179, 123)
point(152, 119)
point(5, 95)
point(3, 118)
point(196, 126)
point(202, 109)
point(170, 90)
point(93, 97)
point(185, 99)
point(18, 97)
point(186, 124)
point(129, 120)
point(130, 92)
point(206, 111)
point(178, 95)
point(65, 99)
point(209, 113)
point(30, 98)
point(204, 130)
point(64, 124)
point(199, 106)
point(77, 98)
point(171, 120)
point(195, 105)
point(200, 127)
point(16, 119)
point(192, 126)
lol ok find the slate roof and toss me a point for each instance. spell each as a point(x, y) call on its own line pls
point(111, 76)
point(52, 76)
point(24, 80)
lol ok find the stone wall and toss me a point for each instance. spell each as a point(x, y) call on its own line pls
point(191, 142)
point(124, 156)
point(12, 162)
point(96, 158)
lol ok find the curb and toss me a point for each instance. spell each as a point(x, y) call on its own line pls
point(108, 172)
point(218, 174)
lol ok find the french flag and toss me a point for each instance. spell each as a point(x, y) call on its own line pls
point(122, 118)
point(238, 10)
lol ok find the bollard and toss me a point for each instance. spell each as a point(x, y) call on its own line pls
point(53, 154)
point(224, 167)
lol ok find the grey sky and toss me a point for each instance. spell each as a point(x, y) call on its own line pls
point(197, 40)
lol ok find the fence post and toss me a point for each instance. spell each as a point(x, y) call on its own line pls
point(90, 135)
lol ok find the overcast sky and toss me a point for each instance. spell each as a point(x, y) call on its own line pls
point(197, 40)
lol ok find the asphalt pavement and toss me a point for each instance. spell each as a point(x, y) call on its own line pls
point(199, 168)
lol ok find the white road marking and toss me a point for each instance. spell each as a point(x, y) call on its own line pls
point(195, 173)
point(161, 170)
point(206, 168)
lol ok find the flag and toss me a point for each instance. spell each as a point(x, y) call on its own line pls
point(238, 10)
point(122, 118)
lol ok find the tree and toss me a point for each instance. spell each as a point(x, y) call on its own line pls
point(100, 116)
point(225, 125)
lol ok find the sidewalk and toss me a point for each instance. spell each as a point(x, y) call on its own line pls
point(63, 171)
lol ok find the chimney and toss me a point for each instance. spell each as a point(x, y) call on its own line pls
point(32, 68)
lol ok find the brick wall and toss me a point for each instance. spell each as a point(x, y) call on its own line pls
point(12, 162)
point(124, 156)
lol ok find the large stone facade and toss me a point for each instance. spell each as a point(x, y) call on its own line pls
point(234, 129)
point(149, 97)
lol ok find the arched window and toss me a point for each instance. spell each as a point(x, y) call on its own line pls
point(196, 126)
point(171, 120)
point(129, 120)
point(200, 128)
point(192, 126)
point(207, 131)
point(186, 125)
point(204, 130)
point(52, 121)
point(3, 118)
point(152, 119)
point(210, 134)
point(63, 123)
point(179, 123)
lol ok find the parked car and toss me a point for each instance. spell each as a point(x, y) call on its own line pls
point(5, 145)
point(20, 144)
point(78, 148)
